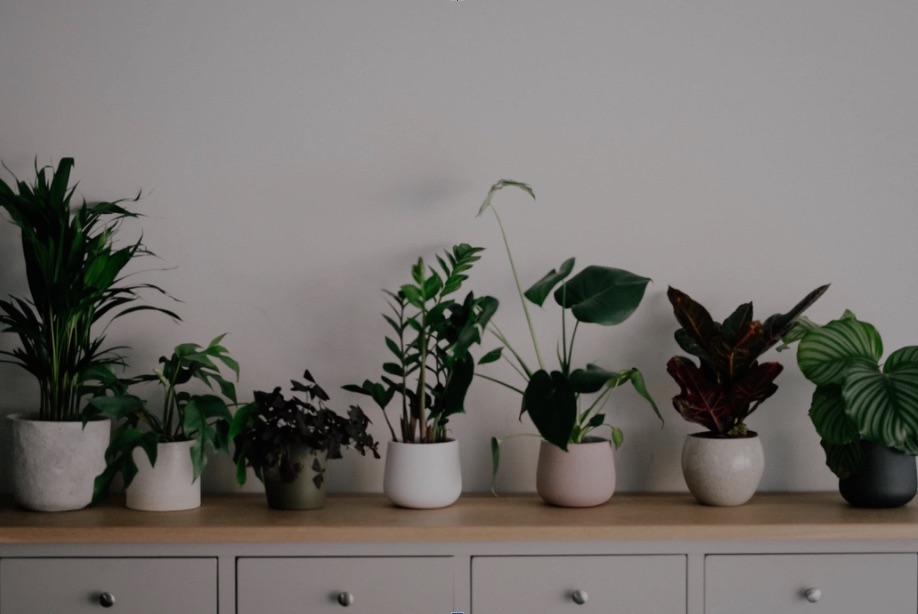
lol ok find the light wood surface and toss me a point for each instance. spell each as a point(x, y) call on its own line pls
point(371, 518)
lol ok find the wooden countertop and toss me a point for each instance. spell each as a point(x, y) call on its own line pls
point(371, 518)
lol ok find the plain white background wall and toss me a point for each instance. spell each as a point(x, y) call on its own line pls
point(298, 156)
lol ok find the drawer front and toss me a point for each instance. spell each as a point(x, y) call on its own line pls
point(557, 584)
point(138, 585)
point(836, 583)
point(375, 585)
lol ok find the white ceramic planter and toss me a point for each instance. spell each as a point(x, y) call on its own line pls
point(722, 471)
point(422, 475)
point(168, 486)
point(583, 476)
point(56, 463)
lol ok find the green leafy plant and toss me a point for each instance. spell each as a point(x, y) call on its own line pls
point(856, 398)
point(434, 333)
point(77, 287)
point(729, 383)
point(553, 399)
point(203, 418)
point(266, 431)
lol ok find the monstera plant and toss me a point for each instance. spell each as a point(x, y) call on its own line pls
point(554, 397)
point(729, 383)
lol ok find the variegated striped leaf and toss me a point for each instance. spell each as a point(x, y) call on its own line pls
point(900, 358)
point(884, 405)
point(828, 415)
point(825, 353)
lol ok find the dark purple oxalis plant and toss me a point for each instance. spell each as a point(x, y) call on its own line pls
point(729, 383)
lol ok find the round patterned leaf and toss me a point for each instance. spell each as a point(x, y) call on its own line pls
point(900, 358)
point(828, 415)
point(825, 353)
point(884, 406)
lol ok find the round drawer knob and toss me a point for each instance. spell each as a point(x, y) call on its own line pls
point(346, 599)
point(580, 597)
point(812, 595)
point(106, 600)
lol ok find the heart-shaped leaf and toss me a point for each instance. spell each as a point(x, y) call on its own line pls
point(602, 295)
point(551, 403)
point(884, 405)
point(542, 288)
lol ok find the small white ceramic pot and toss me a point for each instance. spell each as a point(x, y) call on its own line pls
point(56, 463)
point(422, 475)
point(169, 485)
point(583, 476)
point(723, 471)
point(307, 489)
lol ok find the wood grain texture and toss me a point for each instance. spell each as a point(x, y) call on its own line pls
point(474, 518)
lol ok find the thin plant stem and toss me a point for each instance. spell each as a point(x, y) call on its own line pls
point(497, 381)
point(519, 289)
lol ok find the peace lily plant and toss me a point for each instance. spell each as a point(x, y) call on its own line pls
point(553, 398)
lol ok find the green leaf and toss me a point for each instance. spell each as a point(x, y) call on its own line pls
point(827, 412)
point(492, 356)
point(903, 357)
point(602, 295)
point(824, 354)
point(618, 438)
point(503, 183)
point(844, 460)
point(551, 403)
point(542, 288)
point(637, 380)
point(594, 378)
point(884, 405)
point(495, 460)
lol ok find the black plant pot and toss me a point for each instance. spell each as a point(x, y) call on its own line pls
point(889, 479)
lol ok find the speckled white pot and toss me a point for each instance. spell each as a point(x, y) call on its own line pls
point(583, 476)
point(722, 471)
point(56, 463)
point(167, 486)
point(422, 475)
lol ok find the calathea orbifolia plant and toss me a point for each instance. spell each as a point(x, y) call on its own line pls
point(855, 398)
point(185, 416)
point(729, 383)
point(267, 432)
point(433, 334)
point(76, 279)
point(553, 399)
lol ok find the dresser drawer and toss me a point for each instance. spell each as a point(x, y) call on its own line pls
point(369, 585)
point(138, 585)
point(835, 583)
point(579, 584)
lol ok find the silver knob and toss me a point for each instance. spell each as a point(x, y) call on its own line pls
point(580, 597)
point(346, 599)
point(812, 594)
point(106, 600)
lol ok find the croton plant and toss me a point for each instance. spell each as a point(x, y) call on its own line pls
point(729, 383)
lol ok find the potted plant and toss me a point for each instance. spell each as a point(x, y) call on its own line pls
point(76, 283)
point(723, 465)
point(575, 468)
point(431, 374)
point(161, 455)
point(288, 441)
point(866, 415)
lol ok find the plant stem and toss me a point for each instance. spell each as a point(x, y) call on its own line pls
point(497, 381)
point(519, 289)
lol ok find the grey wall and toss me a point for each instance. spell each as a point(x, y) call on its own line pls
point(299, 156)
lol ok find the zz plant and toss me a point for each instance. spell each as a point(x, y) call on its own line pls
point(186, 416)
point(76, 280)
point(433, 334)
point(729, 383)
point(553, 398)
point(856, 398)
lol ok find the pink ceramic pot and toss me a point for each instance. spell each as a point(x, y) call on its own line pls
point(583, 476)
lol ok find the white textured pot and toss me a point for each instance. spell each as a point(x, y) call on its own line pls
point(722, 470)
point(422, 475)
point(168, 486)
point(583, 476)
point(56, 463)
